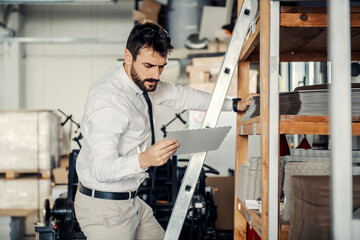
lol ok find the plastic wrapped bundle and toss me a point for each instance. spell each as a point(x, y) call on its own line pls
point(242, 182)
point(29, 140)
point(24, 193)
point(254, 178)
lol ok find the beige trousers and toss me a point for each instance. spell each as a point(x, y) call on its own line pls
point(116, 219)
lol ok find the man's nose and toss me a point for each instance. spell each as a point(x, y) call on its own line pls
point(156, 73)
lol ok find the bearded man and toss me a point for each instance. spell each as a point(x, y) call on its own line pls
point(119, 145)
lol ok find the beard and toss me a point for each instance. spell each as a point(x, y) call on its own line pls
point(141, 83)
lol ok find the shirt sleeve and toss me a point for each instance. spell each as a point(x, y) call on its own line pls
point(106, 125)
point(184, 97)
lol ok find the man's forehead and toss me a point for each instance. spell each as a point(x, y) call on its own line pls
point(150, 53)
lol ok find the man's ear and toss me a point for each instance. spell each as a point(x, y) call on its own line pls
point(128, 58)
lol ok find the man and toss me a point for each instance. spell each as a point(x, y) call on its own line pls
point(116, 128)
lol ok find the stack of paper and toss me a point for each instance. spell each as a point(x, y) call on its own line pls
point(311, 217)
point(304, 102)
point(248, 186)
point(292, 169)
point(308, 163)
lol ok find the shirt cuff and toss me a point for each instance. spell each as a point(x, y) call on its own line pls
point(135, 164)
point(227, 106)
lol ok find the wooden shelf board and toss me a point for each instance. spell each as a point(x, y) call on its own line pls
point(303, 40)
point(303, 44)
point(250, 43)
point(312, 19)
point(311, 9)
point(17, 212)
point(296, 124)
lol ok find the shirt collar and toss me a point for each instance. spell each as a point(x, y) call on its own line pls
point(128, 80)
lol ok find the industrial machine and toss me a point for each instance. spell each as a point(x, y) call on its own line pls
point(60, 221)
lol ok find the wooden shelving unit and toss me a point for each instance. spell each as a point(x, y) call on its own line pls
point(296, 124)
point(303, 37)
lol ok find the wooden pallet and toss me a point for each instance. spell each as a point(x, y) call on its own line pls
point(17, 212)
point(16, 174)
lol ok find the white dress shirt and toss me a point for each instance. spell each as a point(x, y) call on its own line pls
point(116, 128)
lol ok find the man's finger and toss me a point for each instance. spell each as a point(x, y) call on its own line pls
point(165, 143)
point(169, 148)
point(168, 155)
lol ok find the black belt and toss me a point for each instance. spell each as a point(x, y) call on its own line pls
point(107, 195)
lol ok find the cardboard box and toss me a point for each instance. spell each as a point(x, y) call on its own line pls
point(224, 200)
point(204, 70)
point(209, 62)
point(149, 10)
point(64, 161)
point(198, 74)
point(60, 175)
point(203, 73)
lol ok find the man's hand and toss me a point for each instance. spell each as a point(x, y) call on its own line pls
point(244, 103)
point(158, 154)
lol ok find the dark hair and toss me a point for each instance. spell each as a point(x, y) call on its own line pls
point(149, 35)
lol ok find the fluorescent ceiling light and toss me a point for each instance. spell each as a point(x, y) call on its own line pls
point(56, 1)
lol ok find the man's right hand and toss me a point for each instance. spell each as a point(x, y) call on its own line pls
point(158, 154)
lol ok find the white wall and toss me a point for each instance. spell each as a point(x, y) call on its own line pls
point(1, 69)
point(58, 75)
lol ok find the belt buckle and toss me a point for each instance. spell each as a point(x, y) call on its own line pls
point(135, 194)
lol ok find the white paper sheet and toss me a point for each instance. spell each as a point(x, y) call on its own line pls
point(198, 140)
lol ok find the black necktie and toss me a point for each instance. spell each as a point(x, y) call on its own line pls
point(150, 117)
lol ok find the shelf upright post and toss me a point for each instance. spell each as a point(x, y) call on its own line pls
point(340, 119)
point(264, 113)
point(242, 145)
point(273, 219)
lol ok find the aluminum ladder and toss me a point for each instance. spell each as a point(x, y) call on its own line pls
point(243, 24)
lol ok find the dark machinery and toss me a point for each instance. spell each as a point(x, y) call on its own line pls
point(60, 221)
